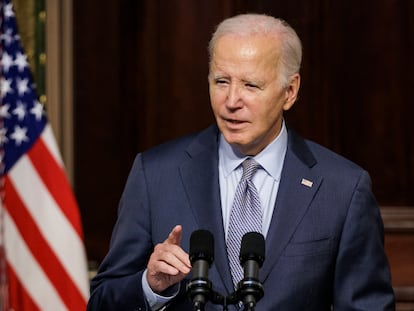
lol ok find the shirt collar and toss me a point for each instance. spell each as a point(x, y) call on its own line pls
point(270, 159)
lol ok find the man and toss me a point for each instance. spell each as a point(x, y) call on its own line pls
point(322, 226)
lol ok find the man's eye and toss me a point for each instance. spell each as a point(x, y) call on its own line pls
point(251, 85)
point(221, 81)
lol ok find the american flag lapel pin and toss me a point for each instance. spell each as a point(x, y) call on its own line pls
point(307, 182)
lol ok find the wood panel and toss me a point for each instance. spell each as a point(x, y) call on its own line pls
point(399, 245)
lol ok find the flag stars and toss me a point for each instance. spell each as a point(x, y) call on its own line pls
point(4, 111)
point(7, 36)
point(5, 87)
point(7, 62)
point(21, 61)
point(8, 10)
point(3, 137)
point(22, 86)
point(22, 116)
point(37, 110)
point(19, 135)
point(20, 110)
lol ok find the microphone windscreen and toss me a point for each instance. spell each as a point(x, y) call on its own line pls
point(252, 248)
point(202, 246)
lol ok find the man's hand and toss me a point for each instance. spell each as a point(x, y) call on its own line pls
point(168, 264)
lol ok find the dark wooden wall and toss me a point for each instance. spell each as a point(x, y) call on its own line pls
point(141, 78)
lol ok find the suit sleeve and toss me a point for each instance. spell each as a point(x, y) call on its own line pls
point(362, 275)
point(117, 286)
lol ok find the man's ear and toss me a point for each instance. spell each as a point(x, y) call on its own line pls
point(291, 91)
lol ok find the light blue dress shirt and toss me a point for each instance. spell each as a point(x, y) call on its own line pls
point(266, 179)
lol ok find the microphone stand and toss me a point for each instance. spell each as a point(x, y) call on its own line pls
point(199, 291)
point(198, 306)
point(248, 308)
point(249, 291)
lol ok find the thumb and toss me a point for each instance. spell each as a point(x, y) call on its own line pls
point(175, 235)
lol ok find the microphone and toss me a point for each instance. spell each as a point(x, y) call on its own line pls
point(252, 256)
point(201, 257)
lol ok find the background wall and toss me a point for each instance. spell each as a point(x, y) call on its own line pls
point(140, 78)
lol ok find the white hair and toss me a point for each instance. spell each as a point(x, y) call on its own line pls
point(260, 24)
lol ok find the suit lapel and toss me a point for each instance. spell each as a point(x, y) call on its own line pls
point(201, 182)
point(298, 186)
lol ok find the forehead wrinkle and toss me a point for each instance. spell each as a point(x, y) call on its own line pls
point(259, 47)
point(246, 58)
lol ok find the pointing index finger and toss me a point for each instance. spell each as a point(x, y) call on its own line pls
point(175, 235)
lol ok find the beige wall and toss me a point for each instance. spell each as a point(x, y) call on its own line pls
point(59, 80)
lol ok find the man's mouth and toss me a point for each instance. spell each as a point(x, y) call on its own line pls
point(234, 121)
point(234, 124)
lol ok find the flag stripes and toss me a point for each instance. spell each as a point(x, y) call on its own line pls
point(53, 176)
point(53, 224)
point(20, 298)
point(41, 250)
point(28, 272)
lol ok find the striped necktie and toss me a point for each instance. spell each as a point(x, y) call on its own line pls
point(245, 216)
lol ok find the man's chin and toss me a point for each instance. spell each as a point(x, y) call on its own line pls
point(234, 139)
point(240, 146)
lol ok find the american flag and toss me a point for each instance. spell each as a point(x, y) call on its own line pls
point(42, 256)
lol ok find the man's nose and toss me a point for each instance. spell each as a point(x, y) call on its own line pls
point(234, 100)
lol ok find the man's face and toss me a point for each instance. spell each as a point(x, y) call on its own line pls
point(246, 95)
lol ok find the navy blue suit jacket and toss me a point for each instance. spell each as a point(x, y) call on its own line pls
point(324, 246)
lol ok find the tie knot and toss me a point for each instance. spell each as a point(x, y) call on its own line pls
point(250, 167)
